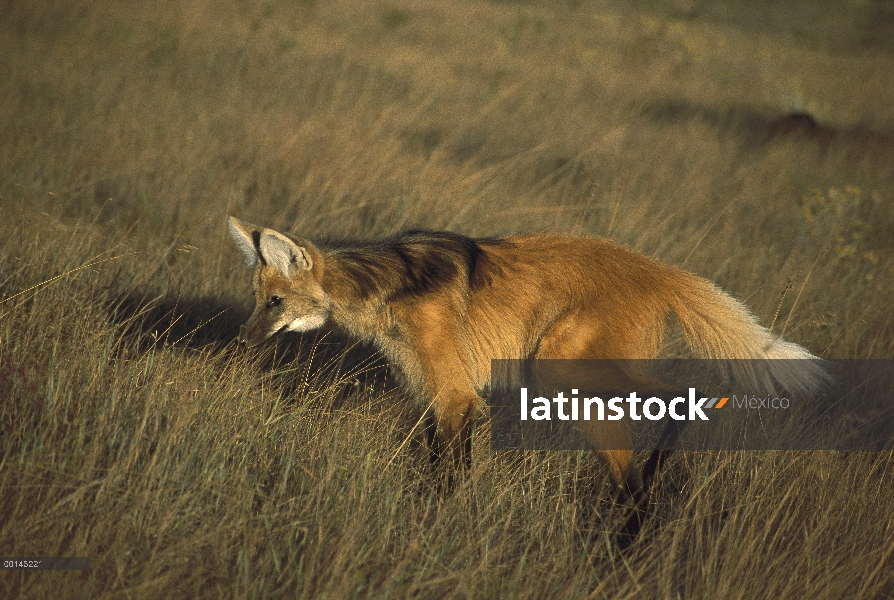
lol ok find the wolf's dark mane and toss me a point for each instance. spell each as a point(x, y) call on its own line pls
point(410, 263)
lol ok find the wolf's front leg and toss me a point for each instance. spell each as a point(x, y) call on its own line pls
point(450, 430)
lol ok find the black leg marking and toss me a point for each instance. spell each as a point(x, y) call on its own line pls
point(434, 442)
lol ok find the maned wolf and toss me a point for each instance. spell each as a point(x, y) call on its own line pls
point(440, 306)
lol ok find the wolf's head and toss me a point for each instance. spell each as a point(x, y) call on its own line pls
point(286, 284)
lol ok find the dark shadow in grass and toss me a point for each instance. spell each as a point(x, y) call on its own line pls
point(188, 322)
point(291, 360)
point(756, 129)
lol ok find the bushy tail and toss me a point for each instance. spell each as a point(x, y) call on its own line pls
point(717, 325)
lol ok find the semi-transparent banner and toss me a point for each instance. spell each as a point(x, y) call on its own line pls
point(693, 404)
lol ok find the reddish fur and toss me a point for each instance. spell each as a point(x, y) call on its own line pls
point(536, 295)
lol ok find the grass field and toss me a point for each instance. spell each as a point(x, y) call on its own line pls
point(136, 433)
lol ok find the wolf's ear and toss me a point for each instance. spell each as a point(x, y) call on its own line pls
point(283, 254)
point(246, 237)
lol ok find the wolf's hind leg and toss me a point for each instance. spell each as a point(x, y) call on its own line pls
point(580, 336)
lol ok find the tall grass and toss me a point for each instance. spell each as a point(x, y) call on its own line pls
point(135, 432)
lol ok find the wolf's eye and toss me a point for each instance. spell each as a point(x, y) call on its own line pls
point(274, 301)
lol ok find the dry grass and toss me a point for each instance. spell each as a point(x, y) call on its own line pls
point(135, 433)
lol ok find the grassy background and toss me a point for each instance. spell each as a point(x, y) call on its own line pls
point(135, 433)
